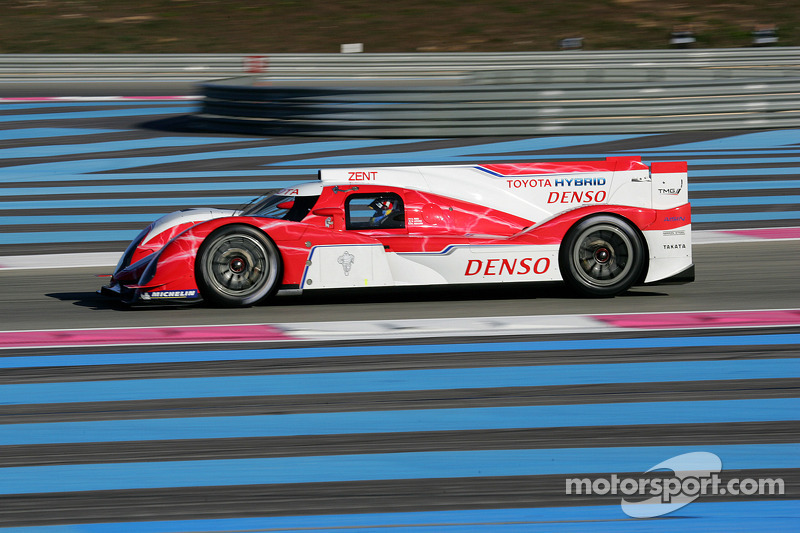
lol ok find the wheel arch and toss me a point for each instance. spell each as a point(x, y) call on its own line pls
point(238, 222)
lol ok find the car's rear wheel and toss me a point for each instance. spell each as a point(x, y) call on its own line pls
point(237, 266)
point(601, 256)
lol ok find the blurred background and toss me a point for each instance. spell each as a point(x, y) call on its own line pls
point(300, 26)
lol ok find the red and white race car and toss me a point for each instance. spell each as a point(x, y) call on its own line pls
point(600, 226)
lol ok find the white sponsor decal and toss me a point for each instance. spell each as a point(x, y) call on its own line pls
point(671, 191)
point(191, 293)
point(558, 182)
point(570, 197)
point(346, 260)
point(498, 267)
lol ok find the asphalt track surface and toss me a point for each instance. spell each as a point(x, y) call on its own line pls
point(725, 280)
point(450, 434)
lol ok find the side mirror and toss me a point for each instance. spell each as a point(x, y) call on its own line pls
point(334, 216)
point(327, 211)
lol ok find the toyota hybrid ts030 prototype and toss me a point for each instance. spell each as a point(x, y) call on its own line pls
point(600, 226)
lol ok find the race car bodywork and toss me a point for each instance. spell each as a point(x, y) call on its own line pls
point(600, 226)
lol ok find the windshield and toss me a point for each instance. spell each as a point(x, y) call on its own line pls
point(294, 208)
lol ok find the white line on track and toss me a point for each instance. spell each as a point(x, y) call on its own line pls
point(85, 260)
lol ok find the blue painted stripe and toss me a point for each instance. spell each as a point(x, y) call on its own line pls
point(42, 237)
point(700, 516)
point(760, 171)
point(475, 153)
point(733, 165)
point(396, 380)
point(42, 133)
point(736, 160)
point(152, 187)
point(345, 423)
point(751, 217)
point(38, 171)
point(371, 467)
point(210, 201)
point(732, 159)
point(480, 154)
point(790, 171)
point(743, 185)
point(359, 351)
point(60, 168)
point(307, 173)
point(79, 219)
point(724, 156)
point(55, 150)
point(141, 111)
point(745, 200)
point(6, 106)
point(761, 139)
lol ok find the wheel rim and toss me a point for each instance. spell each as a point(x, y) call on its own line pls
point(238, 265)
point(603, 255)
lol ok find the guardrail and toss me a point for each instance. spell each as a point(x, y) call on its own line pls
point(714, 62)
point(454, 94)
point(244, 105)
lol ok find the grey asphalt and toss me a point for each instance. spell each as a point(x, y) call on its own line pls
point(755, 275)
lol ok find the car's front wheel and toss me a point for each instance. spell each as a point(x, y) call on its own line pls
point(237, 266)
point(601, 256)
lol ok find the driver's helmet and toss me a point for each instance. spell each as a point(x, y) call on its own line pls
point(383, 207)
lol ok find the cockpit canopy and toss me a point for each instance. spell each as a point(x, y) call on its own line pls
point(293, 208)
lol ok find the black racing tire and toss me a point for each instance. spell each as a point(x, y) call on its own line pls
point(237, 266)
point(601, 256)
